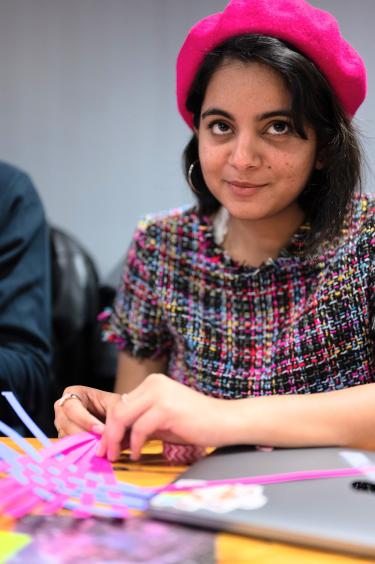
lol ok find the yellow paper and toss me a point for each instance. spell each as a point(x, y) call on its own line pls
point(10, 543)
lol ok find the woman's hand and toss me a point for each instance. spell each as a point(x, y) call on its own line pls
point(167, 410)
point(75, 416)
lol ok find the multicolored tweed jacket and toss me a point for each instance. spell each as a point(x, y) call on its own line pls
point(296, 324)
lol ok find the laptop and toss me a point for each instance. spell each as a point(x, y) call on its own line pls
point(332, 513)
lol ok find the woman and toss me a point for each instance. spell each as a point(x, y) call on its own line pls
point(249, 318)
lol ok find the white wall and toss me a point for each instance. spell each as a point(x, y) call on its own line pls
point(87, 106)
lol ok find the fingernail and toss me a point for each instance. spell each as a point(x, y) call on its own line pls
point(112, 455)
point(134, 456)
point(97, 429)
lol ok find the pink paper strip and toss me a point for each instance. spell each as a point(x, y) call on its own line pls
point(272, 478)
point(52, 477)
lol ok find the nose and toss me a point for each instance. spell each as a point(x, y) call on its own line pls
point(245, 152)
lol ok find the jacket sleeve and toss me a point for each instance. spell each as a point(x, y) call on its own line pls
point(24, 297)
point(366, 254)
point(137, 322)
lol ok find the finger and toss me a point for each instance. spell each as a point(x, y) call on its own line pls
point(120, 417)
point(142, 429)
point(73, 415)
point(99, 402)
point(80, 391)
point(94, 400)
point(115, 430)
point(102, 449)
point(125, 443)
point(73, 429)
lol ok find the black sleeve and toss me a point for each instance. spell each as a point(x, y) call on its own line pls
point(24, 296)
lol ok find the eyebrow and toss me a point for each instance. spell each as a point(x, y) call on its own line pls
point(260, 117)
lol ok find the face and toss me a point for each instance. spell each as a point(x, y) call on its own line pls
point(252, 160)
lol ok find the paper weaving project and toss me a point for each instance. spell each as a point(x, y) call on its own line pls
point(67, 474)
point(64, 474)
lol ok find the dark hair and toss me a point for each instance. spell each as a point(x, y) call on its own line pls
point(328, 195)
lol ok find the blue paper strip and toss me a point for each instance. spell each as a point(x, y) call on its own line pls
point(20, 441)
point(26, 419)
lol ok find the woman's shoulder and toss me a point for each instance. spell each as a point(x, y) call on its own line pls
point(169, 220)
point(166, 232)
point(363, 211)
point(364, 205)
point(362, 225)
point(166, 237)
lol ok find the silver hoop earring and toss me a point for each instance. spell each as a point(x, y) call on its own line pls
point(189, 177)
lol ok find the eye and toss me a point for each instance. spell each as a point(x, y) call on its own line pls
point(279, 128)
point(219, 127)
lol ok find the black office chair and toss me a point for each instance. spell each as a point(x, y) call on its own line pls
point(80, 356)
point(75, 306)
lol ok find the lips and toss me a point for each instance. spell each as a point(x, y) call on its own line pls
point(241, 190)
point(240, 184)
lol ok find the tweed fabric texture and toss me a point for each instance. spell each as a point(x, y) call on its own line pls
point(297, 324)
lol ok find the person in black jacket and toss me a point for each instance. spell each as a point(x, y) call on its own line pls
point(25, 309)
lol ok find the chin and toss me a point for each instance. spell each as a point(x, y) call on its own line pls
point(259, 210)
point(248, 213)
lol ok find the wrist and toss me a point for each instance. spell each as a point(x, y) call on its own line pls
point(233, 425)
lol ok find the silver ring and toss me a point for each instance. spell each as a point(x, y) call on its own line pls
point(67, 397)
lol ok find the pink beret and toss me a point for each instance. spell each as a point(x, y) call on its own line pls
point(312, 31)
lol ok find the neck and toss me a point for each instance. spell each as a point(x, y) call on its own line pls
point(254, 241)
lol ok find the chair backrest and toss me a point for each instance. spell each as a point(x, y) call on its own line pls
point(75, 304)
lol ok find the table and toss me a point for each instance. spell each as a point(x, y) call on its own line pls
point(152, 470)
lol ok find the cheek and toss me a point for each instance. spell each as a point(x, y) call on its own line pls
point(283, 168)
point(211, 159)
point(290, 170)
point(297, 171)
